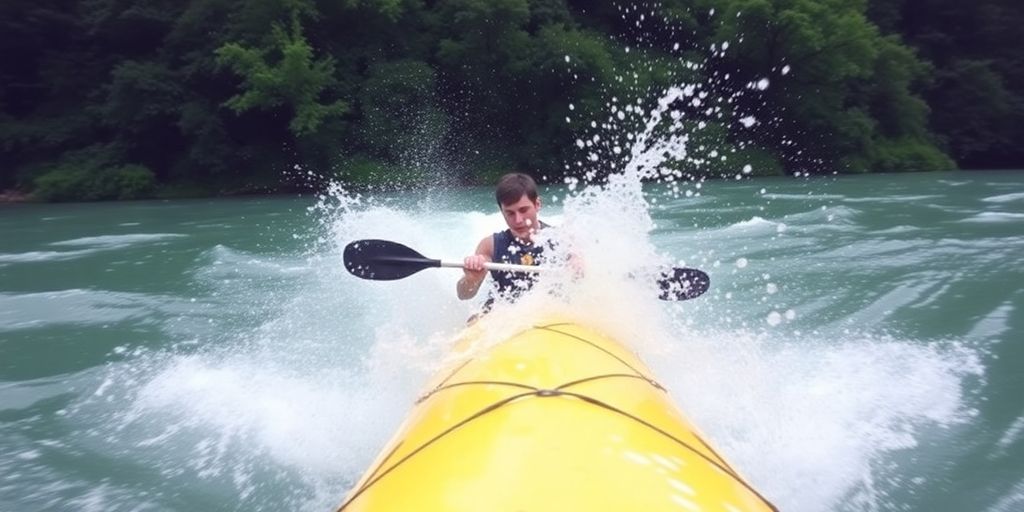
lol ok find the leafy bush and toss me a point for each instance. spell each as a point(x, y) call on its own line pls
point(909, 155)
point(67, 182)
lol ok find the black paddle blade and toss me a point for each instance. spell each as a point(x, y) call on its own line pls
point(382, 260)
point(683, 284)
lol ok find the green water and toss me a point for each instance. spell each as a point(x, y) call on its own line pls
point(860, 348)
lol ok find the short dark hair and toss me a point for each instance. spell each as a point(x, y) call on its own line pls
point(513, 186)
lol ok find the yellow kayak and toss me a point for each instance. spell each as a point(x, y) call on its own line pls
point(554, 418)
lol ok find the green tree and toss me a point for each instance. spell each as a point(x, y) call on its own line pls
point(850, 88)
point(977, 94)
point(976, 114)
point(123, 98)
point(296, 80)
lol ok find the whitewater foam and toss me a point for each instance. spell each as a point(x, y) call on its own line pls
point(994, 217)
point(821, 409)
point(1005, 198)
point(118, 240)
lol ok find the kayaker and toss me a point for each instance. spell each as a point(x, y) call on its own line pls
point(519, 203)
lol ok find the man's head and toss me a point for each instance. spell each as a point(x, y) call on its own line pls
point(517, 198)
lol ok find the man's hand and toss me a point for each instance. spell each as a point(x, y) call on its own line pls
point(473, 274)
point(473, 267)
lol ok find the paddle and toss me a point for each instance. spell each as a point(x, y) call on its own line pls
point(383, 260)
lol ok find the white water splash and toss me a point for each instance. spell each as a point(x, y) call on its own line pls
point(315, 388)
point(809, 422)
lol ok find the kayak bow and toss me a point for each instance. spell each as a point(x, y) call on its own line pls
point(555, 418)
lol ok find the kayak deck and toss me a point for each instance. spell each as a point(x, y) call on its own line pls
point(557, 417)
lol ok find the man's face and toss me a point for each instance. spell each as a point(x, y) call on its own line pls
point(521, 216)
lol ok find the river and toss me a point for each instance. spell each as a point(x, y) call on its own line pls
point(860, 348)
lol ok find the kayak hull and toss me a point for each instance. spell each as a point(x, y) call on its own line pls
point(557, 417)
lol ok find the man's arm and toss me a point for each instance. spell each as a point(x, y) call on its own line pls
point(474, 272)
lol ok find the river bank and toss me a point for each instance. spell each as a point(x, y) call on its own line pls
point(176, 191)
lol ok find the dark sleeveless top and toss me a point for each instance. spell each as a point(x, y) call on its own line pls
point(509, 249)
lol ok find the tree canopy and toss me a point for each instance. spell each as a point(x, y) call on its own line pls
point(113, 99)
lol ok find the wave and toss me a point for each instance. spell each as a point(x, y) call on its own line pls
point(994, 217)
point(755, 222)
point(897, 230)
point(38, 256)
point(1005, 198)
point(222, 262)
point(832, 215)
point(90, 245)
point(1011, 436)
point(891, 199)
point(803, 197)
point(839, 217)
point(115, 241)
point(1012, 500)
point(76, 306)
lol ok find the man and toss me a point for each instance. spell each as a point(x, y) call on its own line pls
point(519, 203)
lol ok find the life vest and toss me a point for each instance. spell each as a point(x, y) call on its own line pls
point(510, 249)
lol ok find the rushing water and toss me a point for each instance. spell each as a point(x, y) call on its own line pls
point(860, 348)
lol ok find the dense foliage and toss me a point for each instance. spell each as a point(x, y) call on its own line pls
point(108, 99)
point(975, 83)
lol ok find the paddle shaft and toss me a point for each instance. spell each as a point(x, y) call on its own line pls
point(504, 267)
